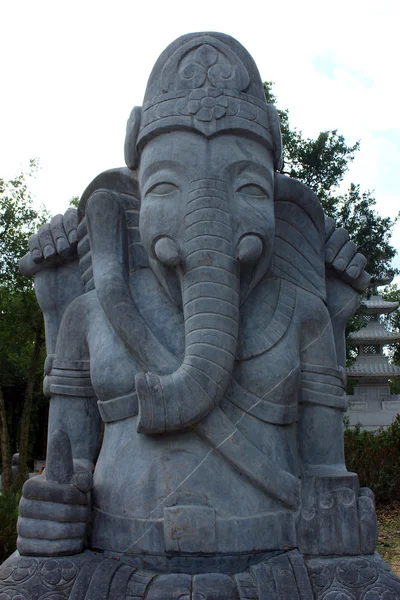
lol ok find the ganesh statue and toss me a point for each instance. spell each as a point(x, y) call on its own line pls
point(195, 307)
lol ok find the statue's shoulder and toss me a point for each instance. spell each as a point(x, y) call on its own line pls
point(290, 189)
point(299, 245)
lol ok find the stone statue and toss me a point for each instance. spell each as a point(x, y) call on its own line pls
point(195, 308)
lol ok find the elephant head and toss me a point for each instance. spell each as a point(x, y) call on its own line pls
point(204, 149)
point(205, 143)
point(207, 221)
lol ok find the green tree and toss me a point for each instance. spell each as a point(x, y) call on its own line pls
point(321, 164)
point(74, 202)
point(355, 211)
point(18, 220)
point(21, 324)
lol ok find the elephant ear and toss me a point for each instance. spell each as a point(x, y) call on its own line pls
point(132, 132)
point(122, 183)
point(299, 248)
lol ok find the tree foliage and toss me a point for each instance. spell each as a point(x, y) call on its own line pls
point(375, 457)
point(18, 220)
point(74, 202)
point(8, 524)
point(371, 232)
point(21, 322)
point(321, 164)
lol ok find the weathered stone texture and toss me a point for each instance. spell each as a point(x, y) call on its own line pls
point(196, 305)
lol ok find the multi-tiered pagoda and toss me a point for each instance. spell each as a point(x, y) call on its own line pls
point(372, 404)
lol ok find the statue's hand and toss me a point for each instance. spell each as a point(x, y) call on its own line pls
point(54, 508)
point(55, 243)
point(345, 274)
point(341, 520)
point(53, 261)
point(342, 258)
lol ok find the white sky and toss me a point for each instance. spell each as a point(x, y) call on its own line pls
point(72, 71)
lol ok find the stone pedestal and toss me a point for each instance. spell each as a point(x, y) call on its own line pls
point(286, 576)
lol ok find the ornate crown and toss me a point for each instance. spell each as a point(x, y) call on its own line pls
point(205, 82)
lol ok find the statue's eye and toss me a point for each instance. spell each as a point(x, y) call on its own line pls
point(162, 189)
point(252, 189)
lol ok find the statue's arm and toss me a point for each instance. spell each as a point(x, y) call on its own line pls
point(52, 261)
point(345, 278)
point(337, 517)
point(54, 508)
point(78, 416)
point(322, 399)
point(73, 404)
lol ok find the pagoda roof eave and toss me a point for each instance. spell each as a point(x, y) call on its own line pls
point(382, 310)
point(384, 340)
point(375, 332)
point(376, 367)
point(376, 304)
point(372, 377)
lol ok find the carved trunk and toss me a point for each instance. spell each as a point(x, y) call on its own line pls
point(210, 291)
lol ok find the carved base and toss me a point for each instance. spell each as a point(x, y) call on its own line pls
point(287, 576)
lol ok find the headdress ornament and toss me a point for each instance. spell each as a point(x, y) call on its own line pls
point(205, 82)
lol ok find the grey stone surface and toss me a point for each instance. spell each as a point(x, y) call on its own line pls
point(54, 507)
point(14, 470)
point(205, 328)
point(287, 576)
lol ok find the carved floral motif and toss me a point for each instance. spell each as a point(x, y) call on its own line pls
point(338, 594)
point(351, 578)
point(58, 573)
point(380, 592)
point(204, 65)
point(356, 573)
point(13, 594)
point(18, 570)
point(321, 576)
point(358, 578)
point(198, 69)
point(207, 104)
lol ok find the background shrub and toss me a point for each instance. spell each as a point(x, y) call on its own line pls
point(8, 524)
point(375, 457)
